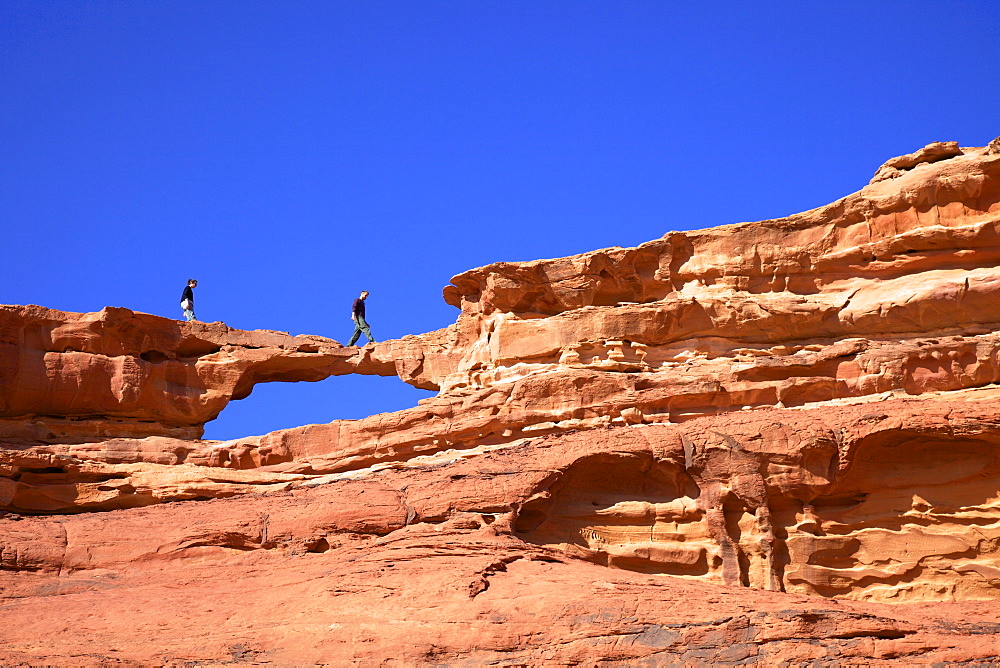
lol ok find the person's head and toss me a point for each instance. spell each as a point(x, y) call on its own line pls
point(364, 294)
point(192, 283)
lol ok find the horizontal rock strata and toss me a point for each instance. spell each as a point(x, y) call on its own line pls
point(500, 555)
point(895, 500)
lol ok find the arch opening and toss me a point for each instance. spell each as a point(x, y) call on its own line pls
point(273, 406)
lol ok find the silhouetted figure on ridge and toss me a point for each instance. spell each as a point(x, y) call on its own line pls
point(358, 316)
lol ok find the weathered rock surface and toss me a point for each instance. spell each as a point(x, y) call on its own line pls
point(769, 442)
point(500, 555)
point(442, 594)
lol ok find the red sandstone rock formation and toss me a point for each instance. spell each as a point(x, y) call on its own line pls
point(628, 449)
point(84, 377)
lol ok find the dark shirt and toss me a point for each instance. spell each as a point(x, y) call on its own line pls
point(188, 294)
point(358, 310)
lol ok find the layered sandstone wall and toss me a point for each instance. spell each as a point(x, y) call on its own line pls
point(502, 554)
point(895, 500)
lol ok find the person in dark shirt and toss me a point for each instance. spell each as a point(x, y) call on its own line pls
point(358, 316)
point(187, 299)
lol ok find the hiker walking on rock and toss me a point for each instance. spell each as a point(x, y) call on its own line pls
point(187, 299)
point(358, 316)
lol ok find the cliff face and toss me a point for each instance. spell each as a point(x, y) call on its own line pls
point(802, 405)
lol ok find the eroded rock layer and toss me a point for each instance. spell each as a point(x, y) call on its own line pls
point(797, 410)
point(501, 554)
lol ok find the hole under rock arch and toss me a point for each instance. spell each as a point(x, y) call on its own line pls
point(273, 406)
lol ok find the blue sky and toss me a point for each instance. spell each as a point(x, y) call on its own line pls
point(289, 154)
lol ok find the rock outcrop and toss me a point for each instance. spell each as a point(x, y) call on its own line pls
point(767, 441)
point(895, 167)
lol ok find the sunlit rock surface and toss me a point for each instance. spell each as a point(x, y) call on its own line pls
point(770, 441)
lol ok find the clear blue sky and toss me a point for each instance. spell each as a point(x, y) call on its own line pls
point(289, 154)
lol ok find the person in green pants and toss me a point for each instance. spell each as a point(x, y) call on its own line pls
point(358, 316)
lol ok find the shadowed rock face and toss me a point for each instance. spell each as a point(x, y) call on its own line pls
point(790, 409)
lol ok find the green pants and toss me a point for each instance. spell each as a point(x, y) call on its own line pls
point(360, 326)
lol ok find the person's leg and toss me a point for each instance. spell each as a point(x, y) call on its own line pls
point(189, 314)
point(357, 333)
point(363, 324)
